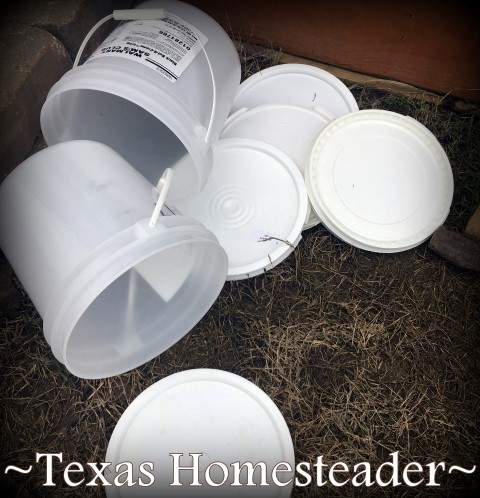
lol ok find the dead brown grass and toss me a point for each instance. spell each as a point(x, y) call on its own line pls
point(364, 354)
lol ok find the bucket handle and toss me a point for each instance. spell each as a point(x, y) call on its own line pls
point(161, 190)
point(151, 14)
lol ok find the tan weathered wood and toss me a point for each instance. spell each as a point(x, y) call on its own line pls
point(425, 44)
point(351, 77)
point(394, 87)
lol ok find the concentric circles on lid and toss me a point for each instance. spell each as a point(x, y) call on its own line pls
point(255, 203)
point(218, 415)
point(290, 128)
point(298, 84)
point(379, 180)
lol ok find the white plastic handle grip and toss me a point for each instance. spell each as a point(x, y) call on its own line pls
point(138, 14)
point(162, 189)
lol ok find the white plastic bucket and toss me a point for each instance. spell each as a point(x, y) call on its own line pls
point(112, 291)
point(218, 415)
point(290, 128)
point(138, 108)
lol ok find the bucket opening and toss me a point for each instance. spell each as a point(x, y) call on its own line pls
point(137, 135)
point(144, 311)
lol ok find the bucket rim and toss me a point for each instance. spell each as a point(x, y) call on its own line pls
point(105, 265)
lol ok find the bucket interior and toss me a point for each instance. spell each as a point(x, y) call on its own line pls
point(146, 310)
point(136, 134)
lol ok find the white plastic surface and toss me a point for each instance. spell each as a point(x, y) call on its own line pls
point(255, 202)
point(152, 122)
point(379, 181)
point(113, 292)
point(134, 14)
point(160, 192)
point(290, 128)
point(298, 84)
point(218, 414)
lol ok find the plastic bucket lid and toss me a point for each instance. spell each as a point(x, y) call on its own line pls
point(255, 202)
point(290, 128)
point(113, 291)
point(379, 181)
point(217, 414)
point(298, 84)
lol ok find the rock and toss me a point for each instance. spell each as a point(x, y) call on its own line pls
point(67, 20)
point(32, 61)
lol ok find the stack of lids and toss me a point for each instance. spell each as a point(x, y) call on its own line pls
point(296, 151)
point(379, 181)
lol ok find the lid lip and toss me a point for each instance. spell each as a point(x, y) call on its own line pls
point(105, 265)
point(347, 233)
point(294, 236)
point(205, 375)
point(299, 69)
point(244, 273)
point(393, 248)
point(163, 105)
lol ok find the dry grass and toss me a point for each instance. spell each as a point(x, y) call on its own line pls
point(363, 353)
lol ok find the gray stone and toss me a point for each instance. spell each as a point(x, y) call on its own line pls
point(67, 20)
point(32, 61)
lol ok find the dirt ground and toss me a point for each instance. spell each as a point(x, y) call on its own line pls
point(364, 354)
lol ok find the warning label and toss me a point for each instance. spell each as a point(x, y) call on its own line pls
point(166, 45)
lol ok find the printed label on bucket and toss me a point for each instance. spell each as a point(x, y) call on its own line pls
point(166, 45)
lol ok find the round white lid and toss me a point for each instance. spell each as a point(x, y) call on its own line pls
point(290, 128)
point(217, 414)
point(379, 180)
point(298, 84)
point(255, 202)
